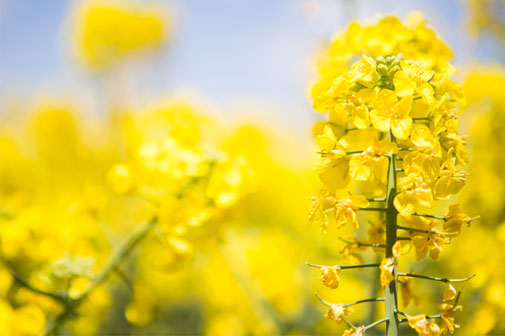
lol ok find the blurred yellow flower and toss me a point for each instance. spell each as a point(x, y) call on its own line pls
point(108, 31)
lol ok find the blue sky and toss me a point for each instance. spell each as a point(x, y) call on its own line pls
point(252, 57)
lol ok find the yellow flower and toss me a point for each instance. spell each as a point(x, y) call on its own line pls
point(447, 314)
point(329, 276)
point(364, 72)
point(28, 320)
point(444, 118)
point(327, 93)
point(424, 160)
point(407, 293)
point(359, 331)
point(455, 218)
point(413, 192)
point(457, 144)
point(423, 139)
point(377, 234)
point(424, 242)
point(108, 32)
point(120, 179)
point(140, 311)
point(391, 113)
point(425, 164)
point(334, 167)
point(387, 267)
point(451, 180)
point(449, 293)
point(372, 165)
point(345, 209)
point(417, 322)
point(400, 248)
point(355, 108)
point(421, 325)
point(349, 251)
point(336, 312)
point(319, 209)
point(413, 78)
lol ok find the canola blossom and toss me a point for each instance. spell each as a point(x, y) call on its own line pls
point(391, 139)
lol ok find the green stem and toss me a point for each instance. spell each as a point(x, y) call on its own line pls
point(374, 209)
point(427, 317)
point(426, 231)
point(111, 265)
point(391, 295)
point(354, 152)
point(349, 323)
point(363, 301)
point(345, 267)
point(23, 283)
point(326, 303)
point(445, 280)
point(428, 215)
point(361, 244)
point(371, 325)
point(376, 200)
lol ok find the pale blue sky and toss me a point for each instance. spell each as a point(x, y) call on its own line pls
point(232, 53)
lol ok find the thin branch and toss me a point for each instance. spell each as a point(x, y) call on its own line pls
point(457, 299)
point(23, 283)
point(326, 303)
point(428, 215)
point(445, 280)
point(374, 209)
point(349, 323)
point(363, 301)
point(124, 278)
point(376, 199)
point(344, 267)
point(427, 231)
point(426, 316)
point(361, 244)
point(371, 325)
point(354, 152)
point(403, 238)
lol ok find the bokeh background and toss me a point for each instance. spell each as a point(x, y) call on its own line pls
point(238, 73)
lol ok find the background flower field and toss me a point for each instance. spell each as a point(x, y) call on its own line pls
point(157, 167)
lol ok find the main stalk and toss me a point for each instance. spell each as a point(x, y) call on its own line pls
point(391, 297)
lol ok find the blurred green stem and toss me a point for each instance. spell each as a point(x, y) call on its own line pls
point(114, 261)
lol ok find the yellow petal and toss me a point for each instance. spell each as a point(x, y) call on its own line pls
point(360, 117)
point(379, 121)
point(403, 85)
point(401, 128)
point(450, 293)
point(359, 168)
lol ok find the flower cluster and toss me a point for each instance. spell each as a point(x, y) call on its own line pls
point(391, 139)
point(178, 164)
point(108, 32)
